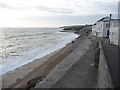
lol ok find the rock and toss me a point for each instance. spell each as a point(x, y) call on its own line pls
point(32, 83)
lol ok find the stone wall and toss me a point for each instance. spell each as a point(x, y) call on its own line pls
point(104, 78)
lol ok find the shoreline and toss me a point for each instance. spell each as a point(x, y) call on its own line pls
point(23, 53)
point(37, 68)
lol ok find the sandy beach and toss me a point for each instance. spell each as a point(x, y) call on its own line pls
point(36, 70)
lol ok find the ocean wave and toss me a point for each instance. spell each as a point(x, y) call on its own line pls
point(20, 47)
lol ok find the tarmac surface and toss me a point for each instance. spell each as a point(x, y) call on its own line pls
point(76, 70)
point(112, 55)
point(80, 75)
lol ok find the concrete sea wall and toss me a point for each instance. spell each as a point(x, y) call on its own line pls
point(104, 78)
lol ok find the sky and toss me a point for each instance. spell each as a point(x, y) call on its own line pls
point(54, 13)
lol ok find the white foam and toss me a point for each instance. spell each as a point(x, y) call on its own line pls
point(17, 61)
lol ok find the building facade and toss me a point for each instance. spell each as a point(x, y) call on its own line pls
point(101, 27)
point(107, 27)
point(115, 32)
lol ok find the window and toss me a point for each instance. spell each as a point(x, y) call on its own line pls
point(115, 24)
point(107, 25)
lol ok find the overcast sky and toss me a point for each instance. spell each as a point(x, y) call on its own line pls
point(54, 13)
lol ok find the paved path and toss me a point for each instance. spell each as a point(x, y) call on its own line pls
point(81, 75)
point(75, 71)
point(111, 54)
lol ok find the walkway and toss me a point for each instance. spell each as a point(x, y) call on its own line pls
point(111, 54)
point(75, 71)
point(81, 75)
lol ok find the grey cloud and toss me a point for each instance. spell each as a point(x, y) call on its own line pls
point(66, 19)
point(2, 5)
point(55, 10)
point(41, 8)
point(107, 6)
point(6, 6)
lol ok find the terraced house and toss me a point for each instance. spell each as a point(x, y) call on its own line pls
point(101, 27)
point(108, 28)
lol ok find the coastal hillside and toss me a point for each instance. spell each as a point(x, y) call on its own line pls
point(77, 28)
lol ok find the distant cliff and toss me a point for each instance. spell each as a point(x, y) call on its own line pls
point(76, 29)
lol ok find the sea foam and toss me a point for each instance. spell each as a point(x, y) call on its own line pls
point(20, 46)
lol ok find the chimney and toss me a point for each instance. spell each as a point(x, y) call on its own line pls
point(110, 17)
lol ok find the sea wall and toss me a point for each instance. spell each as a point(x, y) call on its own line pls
point(104, 78)
point(60, 70)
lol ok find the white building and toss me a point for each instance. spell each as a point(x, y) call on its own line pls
point(101, 27)
point(115, 32)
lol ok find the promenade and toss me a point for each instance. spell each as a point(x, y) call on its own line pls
point(76, 70)
point(112, 55)
point(81, 75)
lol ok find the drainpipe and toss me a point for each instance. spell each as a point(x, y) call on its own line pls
point(110, 24)
point(119, 23)
point(110, 17)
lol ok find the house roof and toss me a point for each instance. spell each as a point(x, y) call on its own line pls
point(115, 19)
point(104, 19)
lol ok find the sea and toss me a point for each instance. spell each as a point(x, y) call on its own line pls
point(19, 46)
